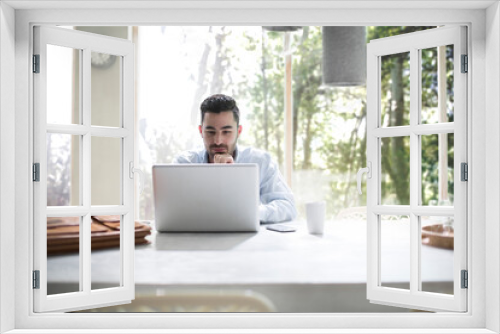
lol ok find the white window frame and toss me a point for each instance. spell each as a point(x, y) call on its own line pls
point(484, 102)
point(85, 43)
point(413, 43)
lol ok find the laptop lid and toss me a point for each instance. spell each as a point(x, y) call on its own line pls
point(206, 197)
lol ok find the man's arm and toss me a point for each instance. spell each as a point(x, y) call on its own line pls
point(191, 157)
point(188, 157)
point(223, 159)
point(277, 201)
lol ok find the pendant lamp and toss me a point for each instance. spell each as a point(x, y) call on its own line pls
point(281, 28)
point(344, 56)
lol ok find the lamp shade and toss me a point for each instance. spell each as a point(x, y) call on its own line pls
point(344, 56)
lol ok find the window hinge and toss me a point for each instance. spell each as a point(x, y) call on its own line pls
point(464, 172)
point(36, 63)
point(465, 64)
point(36, 279)
point(36, 172)
point(465, 279)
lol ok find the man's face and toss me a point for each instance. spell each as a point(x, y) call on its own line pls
point(220, 133)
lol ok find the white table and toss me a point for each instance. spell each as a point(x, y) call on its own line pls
point(266, 257)
point(296, 271)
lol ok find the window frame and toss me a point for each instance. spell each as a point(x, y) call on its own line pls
point(86, 44)
point(477, 317)
point(413, 44)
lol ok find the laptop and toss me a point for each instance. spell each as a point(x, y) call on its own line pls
point(206, 197)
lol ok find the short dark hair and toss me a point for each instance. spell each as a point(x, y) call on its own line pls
point(219, 103)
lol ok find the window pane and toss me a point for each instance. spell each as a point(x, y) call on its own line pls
point(395, 251)
point(63, 257)
point(106, 171)
point(106, 89)
point(328, 124)
point(264, 119)
point(198, 61)
point(63, 85)
point(395, 171)
point(437, 99)
point(395, 94)
point(63, 176)
point(302, 179)
point(437, 169)
point(106, 261)
point(436, 254)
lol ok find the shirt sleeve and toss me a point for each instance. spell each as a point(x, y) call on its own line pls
point(179, 160)
point(277, 201)
point(185, 158)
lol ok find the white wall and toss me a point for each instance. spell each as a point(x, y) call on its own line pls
point(248, 17)
point(492, 166)
point(7, 159)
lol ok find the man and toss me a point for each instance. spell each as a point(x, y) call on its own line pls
point(220, 130)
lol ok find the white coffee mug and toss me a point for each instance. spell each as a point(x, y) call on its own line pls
point(315, 212)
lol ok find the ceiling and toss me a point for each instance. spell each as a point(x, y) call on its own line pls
point(249, 4)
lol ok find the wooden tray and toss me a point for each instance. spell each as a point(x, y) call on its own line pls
point(438, 235)
point(63, 234)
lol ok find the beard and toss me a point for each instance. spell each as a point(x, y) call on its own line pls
point(219, 147)
point(227, 149)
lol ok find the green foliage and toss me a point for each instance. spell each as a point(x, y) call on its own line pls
point(330, 124)
point(430, 176)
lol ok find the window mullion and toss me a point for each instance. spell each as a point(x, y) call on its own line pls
point(85, 165)
point(431, 129)
point(98, 210)
point(394, 131)
point(127, 122)
point(414, 169)
point(110, 132)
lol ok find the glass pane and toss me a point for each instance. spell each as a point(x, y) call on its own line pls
point(63, 169)
point(395, 90)
point(63, 257)
point(106, 257)
point(106, 90)
point(302, 181)
point(437, 169)
point(436, 254)
point(395, 171)
point(63, 85)
point(437, 71)
point(106, 171)
point(395, 251)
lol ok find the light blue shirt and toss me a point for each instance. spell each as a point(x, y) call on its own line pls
point(277, 202)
